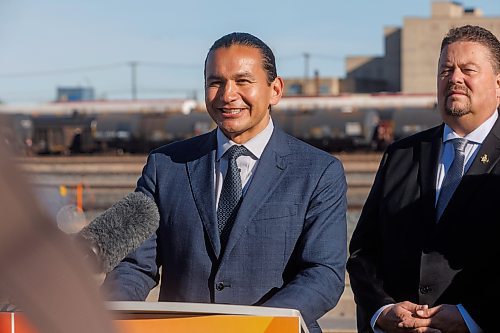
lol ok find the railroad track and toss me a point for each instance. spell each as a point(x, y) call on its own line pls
point(106, 179)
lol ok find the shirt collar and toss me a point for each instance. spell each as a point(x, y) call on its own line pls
point(477, 136)
point(255, 145)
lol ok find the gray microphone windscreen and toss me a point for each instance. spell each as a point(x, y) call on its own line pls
point(121, 229)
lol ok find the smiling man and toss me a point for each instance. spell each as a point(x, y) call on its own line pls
point(239, 92)
point(422, 257)
point(249, 214)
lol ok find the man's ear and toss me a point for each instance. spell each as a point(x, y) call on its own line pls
point(498, 89)
point(277, 86)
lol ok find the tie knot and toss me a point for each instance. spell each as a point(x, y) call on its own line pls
point(236, 151)
point(459, 144)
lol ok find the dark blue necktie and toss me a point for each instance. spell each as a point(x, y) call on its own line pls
point(452, 177)
point(231, 192)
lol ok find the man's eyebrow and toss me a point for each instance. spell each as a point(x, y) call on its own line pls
point(245, 74)
point(214, 77)
point(239, 75)
point(451, 64)
point(470, 63)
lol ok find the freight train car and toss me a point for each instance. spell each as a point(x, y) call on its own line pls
point(92, 126)
point(330, 129)
point(331, 123)
point(140, 133)
point(16, 132)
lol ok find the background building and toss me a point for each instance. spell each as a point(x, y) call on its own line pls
point(409, 63)
point(421, 40)
point(376, 73)
point(316, 86)
point(74, 94)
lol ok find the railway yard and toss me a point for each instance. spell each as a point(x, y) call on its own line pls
point(93, 183)
point(106, 179)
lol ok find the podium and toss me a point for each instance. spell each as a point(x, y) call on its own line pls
point(175, 317)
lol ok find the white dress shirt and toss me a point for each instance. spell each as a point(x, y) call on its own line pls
point(474, 141)
point(247, 164)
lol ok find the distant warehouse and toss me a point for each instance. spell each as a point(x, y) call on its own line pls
point(409, 62)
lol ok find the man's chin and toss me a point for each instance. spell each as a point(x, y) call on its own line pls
point(230, 132)
point(457, 112)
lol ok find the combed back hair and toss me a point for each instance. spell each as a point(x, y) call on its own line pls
point(246, 39)
point(473, 33)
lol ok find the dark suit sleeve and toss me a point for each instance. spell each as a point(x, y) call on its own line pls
point(362, 263)
point(137, 274)
point(321, 251)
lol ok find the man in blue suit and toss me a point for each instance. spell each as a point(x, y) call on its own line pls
point(265, 228)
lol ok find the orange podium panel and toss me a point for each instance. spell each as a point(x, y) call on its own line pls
point(174, 317)
point(15, 322)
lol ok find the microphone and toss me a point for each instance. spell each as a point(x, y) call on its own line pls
point(119, 230)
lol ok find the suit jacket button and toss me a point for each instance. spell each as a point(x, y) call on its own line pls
point(219, 286)
point(425, 289)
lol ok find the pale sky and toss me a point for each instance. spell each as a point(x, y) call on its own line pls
point(50, 43)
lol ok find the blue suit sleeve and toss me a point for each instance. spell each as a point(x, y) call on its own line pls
point(321, 252)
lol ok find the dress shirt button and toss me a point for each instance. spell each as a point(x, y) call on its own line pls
point(425, 289)
point(219, 286)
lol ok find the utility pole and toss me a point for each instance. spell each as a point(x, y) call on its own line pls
point(306, 66)
point(133, 68)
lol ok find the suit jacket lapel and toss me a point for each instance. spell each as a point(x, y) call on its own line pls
point(269, 171)
point(200, 172)
point(489, 153)
point(430, 151)
point(484, 161)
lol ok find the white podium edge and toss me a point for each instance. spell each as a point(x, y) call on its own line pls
point(204, 308)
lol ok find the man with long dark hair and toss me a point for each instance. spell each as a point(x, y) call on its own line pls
point(249, 214)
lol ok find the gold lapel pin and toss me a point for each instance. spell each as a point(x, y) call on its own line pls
point(485, 159)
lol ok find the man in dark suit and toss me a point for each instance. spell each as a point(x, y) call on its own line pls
point(423, 252)
point(276, 239)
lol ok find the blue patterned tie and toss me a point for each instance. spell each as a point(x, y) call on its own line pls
point(452, 177)
point(230, 195)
